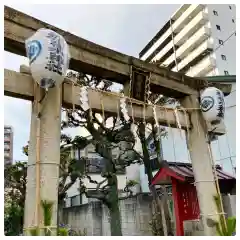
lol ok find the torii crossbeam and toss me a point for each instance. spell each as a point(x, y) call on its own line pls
point(20, 85)
point(96, 60)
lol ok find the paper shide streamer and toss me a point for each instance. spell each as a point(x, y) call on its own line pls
point(123, 108)
point(84, 98)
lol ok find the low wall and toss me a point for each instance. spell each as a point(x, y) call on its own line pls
point(94, 217)
point(135, 217)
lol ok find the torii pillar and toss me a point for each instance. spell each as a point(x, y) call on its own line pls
point(201, 164)
point(49, 151)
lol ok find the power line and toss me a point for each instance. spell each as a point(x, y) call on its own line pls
point(223, 159)
point(234, 33)
point(231, 106)
point(220, 45)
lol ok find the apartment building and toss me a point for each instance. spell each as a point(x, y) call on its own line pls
point(8, 145)
point(198, 40)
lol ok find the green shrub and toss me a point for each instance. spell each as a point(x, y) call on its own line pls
point(223, 230)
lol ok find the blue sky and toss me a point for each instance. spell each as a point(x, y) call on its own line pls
point(124, 28)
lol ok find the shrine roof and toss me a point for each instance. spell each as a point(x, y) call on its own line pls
point(183, 172)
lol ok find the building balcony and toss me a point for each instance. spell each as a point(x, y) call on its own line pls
point(195, 56)
point(7, 154)
point(7, 162)
point(7, 130)
point(177, 26)
point(191, 28)
point(7, 139)
point(182, 37)
point(6, 147)
point(203, 67)
point(187, 16)
point(177, 14)
point(201, 35)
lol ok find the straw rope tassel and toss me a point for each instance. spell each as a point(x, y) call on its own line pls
point(187, 131)
point(217, 183)
point(90, 109)
point(170, 128)
point(131, 100)
point(38, 109)
point(118, 113)
point(179, 127)
point(129, 94)
point(73, 95)
point(103, 113)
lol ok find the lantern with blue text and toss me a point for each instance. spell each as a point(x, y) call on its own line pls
point(48, 56)
point(212, 105)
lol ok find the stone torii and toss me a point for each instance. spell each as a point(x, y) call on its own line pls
point(102, 62)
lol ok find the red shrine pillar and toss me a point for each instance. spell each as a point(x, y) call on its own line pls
point(178, 220)
point(186, 205)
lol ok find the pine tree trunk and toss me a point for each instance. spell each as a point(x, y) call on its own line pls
point(115, 220)
point(115, 217)
point(60, 213)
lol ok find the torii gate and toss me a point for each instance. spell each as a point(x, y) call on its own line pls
point(99, 61)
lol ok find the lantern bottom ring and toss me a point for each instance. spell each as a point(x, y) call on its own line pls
point(47, 83)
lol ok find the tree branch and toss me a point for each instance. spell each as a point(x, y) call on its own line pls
point(127, 190)
point(114, 123)
point(91, 181)
point(98, 196)
point(101, 183)
point(100, 124)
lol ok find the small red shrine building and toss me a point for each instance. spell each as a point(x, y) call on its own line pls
point(184, 194)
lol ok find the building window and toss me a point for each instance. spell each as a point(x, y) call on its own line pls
point(223, 57)
point(155, 165)
point(220, 42)
point(233, 20)
point(230, 7)
point(218, 27)
point(226, 72)
point(6, 135)
point(7, 130)
point(75, 201)
point(215, 13)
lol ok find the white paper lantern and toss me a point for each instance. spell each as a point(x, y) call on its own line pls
point(212, 105)
point(48, 57)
